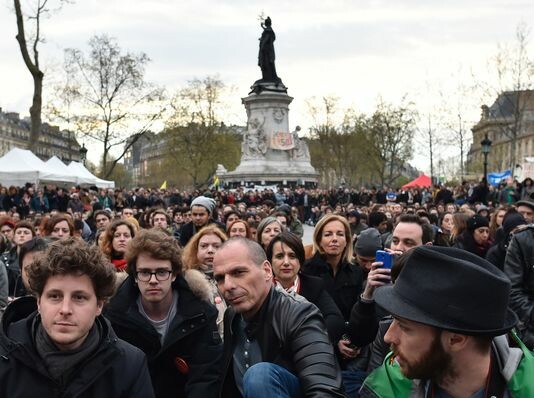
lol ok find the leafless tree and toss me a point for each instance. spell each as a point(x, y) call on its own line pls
point(108, 99)
point(29, 43)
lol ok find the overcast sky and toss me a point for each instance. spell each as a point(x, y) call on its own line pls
point(356, 50)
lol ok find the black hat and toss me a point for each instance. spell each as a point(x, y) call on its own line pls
point(368, 243)
point(477, 222)
point(511, 221)
point(354, 213)
point(450, 289)
point(527, 203)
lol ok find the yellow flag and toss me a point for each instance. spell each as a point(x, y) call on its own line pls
point(216, 181)
point(164, 185)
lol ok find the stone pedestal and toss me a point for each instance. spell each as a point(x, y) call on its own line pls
point(270, 152)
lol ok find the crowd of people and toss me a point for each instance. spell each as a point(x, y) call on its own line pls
point(164, 293)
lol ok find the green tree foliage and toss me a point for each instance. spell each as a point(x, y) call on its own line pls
point(197, 139)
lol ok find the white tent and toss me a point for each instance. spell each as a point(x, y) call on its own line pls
point(55, 164)
point(80, 170)
point(19, 166)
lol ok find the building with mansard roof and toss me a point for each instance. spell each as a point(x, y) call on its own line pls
point(511, 111)
point(15, 132)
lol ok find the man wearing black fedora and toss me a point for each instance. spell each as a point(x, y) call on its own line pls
point(448, 336)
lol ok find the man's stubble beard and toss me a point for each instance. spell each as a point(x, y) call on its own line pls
point(435, 365)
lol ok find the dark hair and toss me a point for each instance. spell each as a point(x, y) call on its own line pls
point(282, 214)
point(237, 213)
point(52, 221)
point(5, 244)
point(442, 217)
point(107, 242)
point(482, 343)
point(160, 211)
point(73, 256)
point(157, 244)
point(102, 213)
point(375, 218)
point(34, 245)
point(25, 224)
point(291, 240)
point(427, 230)
point(78, 225)
point(181, 210)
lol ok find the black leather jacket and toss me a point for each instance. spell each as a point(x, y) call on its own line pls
point(519, 266)
point(291, 334)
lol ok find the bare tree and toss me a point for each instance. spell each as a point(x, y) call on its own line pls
point(197, 139)
point(337, 142)
point(106, 98)
point(30, 55)
point(391, 131)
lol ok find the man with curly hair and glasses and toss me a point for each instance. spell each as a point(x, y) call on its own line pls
point(169, 318)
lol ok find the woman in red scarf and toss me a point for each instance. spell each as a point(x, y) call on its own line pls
point(115, 242)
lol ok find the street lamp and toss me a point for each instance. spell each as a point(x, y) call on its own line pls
point(83, 153)
point(485, 148)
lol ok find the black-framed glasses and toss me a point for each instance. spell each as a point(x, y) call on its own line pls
point(161, 275)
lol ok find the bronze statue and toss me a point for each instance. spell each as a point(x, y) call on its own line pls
point(266, 54)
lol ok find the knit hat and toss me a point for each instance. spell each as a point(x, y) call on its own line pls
point(477, 222)
point(528, 203)
point(482, 208)
point(368, 243)
point(205, 202)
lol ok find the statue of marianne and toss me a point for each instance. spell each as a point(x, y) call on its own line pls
point(266, 54)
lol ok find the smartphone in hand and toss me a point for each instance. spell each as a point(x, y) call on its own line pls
point(385, 258)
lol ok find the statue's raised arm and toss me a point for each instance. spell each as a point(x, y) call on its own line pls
point(266, 55)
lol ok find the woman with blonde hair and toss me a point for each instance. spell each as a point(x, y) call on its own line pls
point(197, 259)
point(332, 262)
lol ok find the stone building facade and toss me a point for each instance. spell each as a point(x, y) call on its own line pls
point(511, 109)
point(15, 132)
point(147, 162)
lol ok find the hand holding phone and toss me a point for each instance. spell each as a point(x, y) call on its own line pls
point(385, 258)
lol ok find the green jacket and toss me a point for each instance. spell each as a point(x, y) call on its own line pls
point(517, 368)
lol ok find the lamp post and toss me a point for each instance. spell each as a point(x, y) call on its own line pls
point(83, 153)
point(485, 148)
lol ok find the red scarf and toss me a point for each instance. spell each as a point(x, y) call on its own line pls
point(120, 264)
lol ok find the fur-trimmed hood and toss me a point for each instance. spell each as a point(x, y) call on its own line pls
point(198, 283)
point(190, 283)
